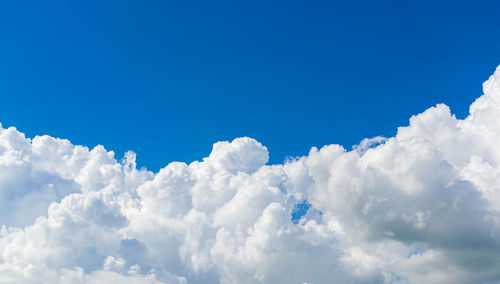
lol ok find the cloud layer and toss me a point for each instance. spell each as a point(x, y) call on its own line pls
point(420, 207)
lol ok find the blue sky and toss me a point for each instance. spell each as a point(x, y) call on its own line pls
point(167, 79)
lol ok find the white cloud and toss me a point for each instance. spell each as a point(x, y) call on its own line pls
point(420, 207)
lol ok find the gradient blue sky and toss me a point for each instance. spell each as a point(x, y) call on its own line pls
point(169, 78)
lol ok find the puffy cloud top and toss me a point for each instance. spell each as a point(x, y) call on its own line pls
point(420, 207)
point(242, 154)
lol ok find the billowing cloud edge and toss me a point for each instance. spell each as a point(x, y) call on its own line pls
point(420, 207)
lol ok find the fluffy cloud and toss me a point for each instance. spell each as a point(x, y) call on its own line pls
point(420, 207)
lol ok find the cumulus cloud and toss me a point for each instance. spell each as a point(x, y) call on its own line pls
point(420, 207)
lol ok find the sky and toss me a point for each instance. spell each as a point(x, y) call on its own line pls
point(297, 142)
point(167, 79)
point(421, 206)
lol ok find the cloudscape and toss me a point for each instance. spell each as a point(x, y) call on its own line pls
point(420, 207)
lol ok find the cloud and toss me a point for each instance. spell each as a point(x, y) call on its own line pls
point(420, 207)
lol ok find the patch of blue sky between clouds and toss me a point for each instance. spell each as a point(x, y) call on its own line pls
point(300, 209)
point(304, 211)
point(419, 250)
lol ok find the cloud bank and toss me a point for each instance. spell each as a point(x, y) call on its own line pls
point(420, 207)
